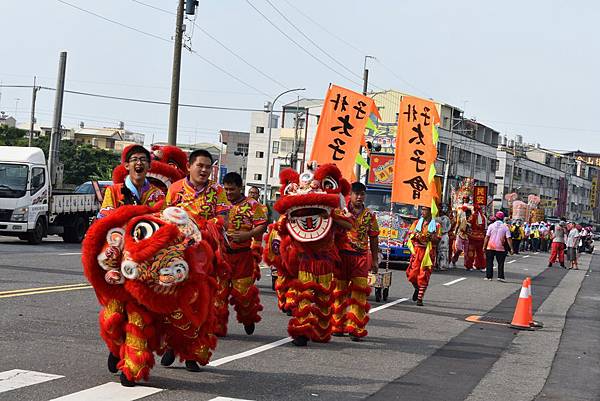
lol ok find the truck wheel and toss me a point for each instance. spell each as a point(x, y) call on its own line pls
point(74, 234)
point(35, 237)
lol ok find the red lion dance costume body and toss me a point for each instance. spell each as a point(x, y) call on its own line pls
point(307, 250)
point(151, 273)
point(475, 256)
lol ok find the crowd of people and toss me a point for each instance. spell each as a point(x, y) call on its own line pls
point(328, 295)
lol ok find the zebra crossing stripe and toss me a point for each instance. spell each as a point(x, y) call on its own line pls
point(110, 391)
point(17, 378)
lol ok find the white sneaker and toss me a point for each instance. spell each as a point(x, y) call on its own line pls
point(502, 280)
point(487, 279)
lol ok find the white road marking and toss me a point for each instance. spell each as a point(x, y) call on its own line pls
point(384, 306)
point(274, 344)
point(458, 280)
point(69, 253)
point(17, 378)
point(250, 352)
point(228, 399)
point(535, 253)
point(512, 261)
point(110, 391)
point(526, 256)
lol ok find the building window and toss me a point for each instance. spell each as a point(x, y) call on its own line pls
point(275, 147)
point(258, 177)
point(260, 154)
point(260, 130)
point(242, 148)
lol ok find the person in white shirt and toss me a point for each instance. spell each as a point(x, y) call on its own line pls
point(572, 242)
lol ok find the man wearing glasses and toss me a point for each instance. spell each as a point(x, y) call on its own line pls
point(136, 190)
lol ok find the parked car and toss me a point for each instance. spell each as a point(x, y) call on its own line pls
point(87, 188)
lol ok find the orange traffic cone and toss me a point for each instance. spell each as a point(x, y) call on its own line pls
point(522, 317)
point(532, 323)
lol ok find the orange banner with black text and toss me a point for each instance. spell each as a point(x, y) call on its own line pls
point(341, 128)
point(416, 152)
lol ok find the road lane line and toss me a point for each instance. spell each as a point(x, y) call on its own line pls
point(380, 307)
point(526, 256)
point(228, 399)
point(512, 261)
point(42, 288)
point(45, 292)
point(274, 344)
point(110, 391)
point(458, 280)
point(17, 378)
point(69, 253)
point(250, 352)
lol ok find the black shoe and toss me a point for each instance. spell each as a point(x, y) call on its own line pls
point(337, 334)
point(112, 363)
point(549, 264)
point(563, 266)
point(125, 382)
point(354, 338)
point(249, 328)
point(289, 312)
point(415, 294)
point(300, 341)
point(168, 357)
point(419, 302)
point(192, 366)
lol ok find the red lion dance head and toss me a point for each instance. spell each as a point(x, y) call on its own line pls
point(308, 199)
point(168, 164)
point(151, 272)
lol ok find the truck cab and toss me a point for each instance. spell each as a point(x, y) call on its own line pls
point(30, 208)
point(24, 192)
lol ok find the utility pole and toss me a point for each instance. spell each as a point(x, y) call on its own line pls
point(55, 135)
point(175, 77)
point(294, 158)
point(32, 122)
point(365, 90)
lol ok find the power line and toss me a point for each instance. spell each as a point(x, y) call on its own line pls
point(147, 101)
point(220, 43)
point(358, 50)
point(300, 46)
point(164, 40)
point(115, 22)
point(314, 43)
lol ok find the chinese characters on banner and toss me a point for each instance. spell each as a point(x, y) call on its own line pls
point(416, 151)
point(341, 128)
point(480, 195)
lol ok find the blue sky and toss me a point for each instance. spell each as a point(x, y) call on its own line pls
point(528, 68)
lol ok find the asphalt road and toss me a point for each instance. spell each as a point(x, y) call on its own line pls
point(50, 347)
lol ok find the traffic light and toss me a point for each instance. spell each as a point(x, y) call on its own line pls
point(190, 6)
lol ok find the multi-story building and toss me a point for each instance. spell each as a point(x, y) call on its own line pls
point(292, 135)
point(234, 152)
point(563, 182)
point(7, 120)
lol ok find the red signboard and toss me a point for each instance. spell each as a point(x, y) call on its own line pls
point(381, 172)
point(480, 195)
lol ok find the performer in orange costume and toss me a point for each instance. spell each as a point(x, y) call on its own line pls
point(425, 233)
point(246, 221)
point(135, 189)
point(359, 256)
point(475, 256)
point(207, 203)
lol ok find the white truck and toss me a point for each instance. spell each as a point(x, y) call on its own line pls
point(30, 208)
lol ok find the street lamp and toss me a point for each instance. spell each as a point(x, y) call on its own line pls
point(270, 106)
